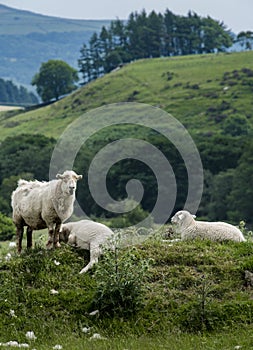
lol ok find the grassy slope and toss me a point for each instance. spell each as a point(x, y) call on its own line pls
point(182, 276)
point(191, 287)
point(146, 81)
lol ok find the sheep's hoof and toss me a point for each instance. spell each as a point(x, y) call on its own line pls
point(49, 245)
point(57, 245)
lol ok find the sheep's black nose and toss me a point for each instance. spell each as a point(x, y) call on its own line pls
point(71, 189)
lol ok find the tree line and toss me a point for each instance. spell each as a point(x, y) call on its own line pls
point(141, 36)
point(228, 185)
point(10, 93)
point(151, 35)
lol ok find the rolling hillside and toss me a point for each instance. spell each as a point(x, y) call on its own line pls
point(202, 92)
point(28, 39)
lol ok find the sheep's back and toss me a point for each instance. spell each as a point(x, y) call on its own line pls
point(87, 231)
point(218, 231)
point(27, 204)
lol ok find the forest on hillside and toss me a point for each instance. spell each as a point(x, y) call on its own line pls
point(151, 35)
point(228, 184)
point(13, 94)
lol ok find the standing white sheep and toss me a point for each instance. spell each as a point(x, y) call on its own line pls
point(40, 205)
point(183, 222)
point(86, 234)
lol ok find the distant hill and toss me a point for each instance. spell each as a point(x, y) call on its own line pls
point(28, 39)
point(202, 91)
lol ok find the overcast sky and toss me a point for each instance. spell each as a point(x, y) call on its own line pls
point(236, 14)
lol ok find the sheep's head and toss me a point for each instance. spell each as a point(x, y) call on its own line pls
point(182, 217)
point(64, 234)
point(69, 179)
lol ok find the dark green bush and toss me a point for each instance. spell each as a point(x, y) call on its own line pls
point(7, 228)
point(120, 279)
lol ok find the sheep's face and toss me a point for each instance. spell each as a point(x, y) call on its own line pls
point(181, 217)
point(69, 180)
point(64, 234)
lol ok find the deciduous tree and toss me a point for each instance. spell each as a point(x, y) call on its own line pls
point(55, 78)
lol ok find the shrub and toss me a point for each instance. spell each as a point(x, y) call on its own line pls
point(7, 228)
point(120, 279)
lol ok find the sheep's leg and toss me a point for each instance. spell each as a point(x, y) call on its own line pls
point(29, 232)
point(57, 235)
point(95, 253)
point(50, 241)
point(19, 237)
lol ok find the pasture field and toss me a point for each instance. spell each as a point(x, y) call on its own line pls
point(188, 87)
point(193, 296)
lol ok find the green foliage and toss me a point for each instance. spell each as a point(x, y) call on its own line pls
point(245, 39)
point(133, 214)
point(236, 125)
point(10, 93)
point(26, 153)
point(24, 156)
point(222, 94)
point(241, 193)
point(153, 35)
point(55, 78)
point(7, 228)
point(120, 280)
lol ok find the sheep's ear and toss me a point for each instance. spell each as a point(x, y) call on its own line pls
point(180, 216)
point(194, 216)
point(59, 176)
point(79, 177)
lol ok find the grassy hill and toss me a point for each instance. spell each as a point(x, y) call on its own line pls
point(201, 91)
point(193, 296)
point(27, 39)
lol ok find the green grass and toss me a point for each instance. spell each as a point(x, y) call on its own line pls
point(195, 297)
point(221, 341)
point(196, 85)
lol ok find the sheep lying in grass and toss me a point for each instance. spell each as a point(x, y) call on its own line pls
point(183, 222)
point(40, 205)
point(86, 234)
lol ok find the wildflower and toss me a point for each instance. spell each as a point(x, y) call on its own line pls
point(11, 343)
point(93, 313)
point(12, 313)
point(30, 335)
point(237, 347)
point(97, 336)
point(12, 245)
point(57, 347)
point(54, 292)
point(86, 329)
point(57, 263)
point(8, 257)
point(23, 345)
